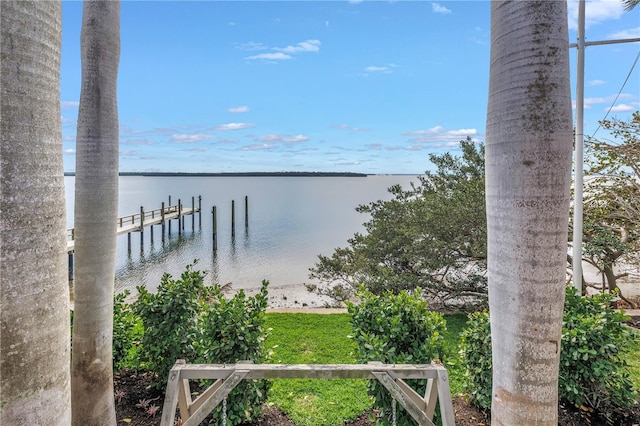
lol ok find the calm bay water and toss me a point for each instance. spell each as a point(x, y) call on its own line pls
point(291, 221)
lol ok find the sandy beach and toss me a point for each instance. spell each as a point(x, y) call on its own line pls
point(296, 297)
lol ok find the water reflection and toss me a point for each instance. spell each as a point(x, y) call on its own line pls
point(292, 221)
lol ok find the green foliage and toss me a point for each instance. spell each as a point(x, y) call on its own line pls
point(593, 371)
point(315, 339)
point(612, 190)
point(395, 329)
point(170, 318)
point(233, 330)
point(187, 320)
point(475, 351)
point(432, 236)
point(127, 333)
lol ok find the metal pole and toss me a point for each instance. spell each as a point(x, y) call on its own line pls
point(579, 156)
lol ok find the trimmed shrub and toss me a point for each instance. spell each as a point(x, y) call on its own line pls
point(475, 351)
point(170, 319)
point(593, 373)
point(187, 320)
point(234, 330)
point(127, 333)
point(395, 329)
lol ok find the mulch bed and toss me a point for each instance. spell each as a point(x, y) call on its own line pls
point(137, 403)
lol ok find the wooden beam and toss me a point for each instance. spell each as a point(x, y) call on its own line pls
point(171, 395)
point(310, 371)
point(184, 399)
point(431, 397)
point(444, 395)
point(403, 399)
point(213, 400)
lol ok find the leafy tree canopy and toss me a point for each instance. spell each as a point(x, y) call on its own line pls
point(432, 235)
point(612, 200)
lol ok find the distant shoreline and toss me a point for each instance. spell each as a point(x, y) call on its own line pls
point(238, 174)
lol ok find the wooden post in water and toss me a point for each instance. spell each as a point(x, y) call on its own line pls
point(129, 242)
point(180, 220)
point(233, 218)
point(200, 211)
point(215, 229)
point(246, 211)
point(169, 212)
point(162, 221)
point(193, 213)
point(141, 226)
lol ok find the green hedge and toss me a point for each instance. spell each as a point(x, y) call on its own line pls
point(593, 373)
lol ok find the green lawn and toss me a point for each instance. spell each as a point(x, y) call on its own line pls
point(322, 339)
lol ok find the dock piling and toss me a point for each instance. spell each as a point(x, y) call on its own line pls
point(180, 219)
point(246, 211)
point(215, 228)
point(141, 226)
point(169, 212)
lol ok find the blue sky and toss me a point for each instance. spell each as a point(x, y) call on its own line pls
point(357, 86)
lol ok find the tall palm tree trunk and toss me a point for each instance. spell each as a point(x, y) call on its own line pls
point(528, 174)
point(34, 288)
point(96, 210)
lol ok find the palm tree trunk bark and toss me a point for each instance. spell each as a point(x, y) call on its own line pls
point(34, 287)
point(528, 175)
point(96, 210)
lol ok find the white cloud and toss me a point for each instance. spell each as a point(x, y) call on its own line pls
point(388, 69)
point(198, 149)
point(234, 126)
point(283, 53)
point(596, 83)
point(70, 151)
point(239, 109)
point(596, 12)
point(625, 107)
point(589, 102)
point(440, 134)
point(303, 46)
point(69, 104)
point(274, 138)
point(272, 56)
point(437, 8)
point(190, 137)
point(127, 153)
point(630, 33)
point(256, 147)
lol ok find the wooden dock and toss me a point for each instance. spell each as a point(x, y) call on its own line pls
point(136, 222)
